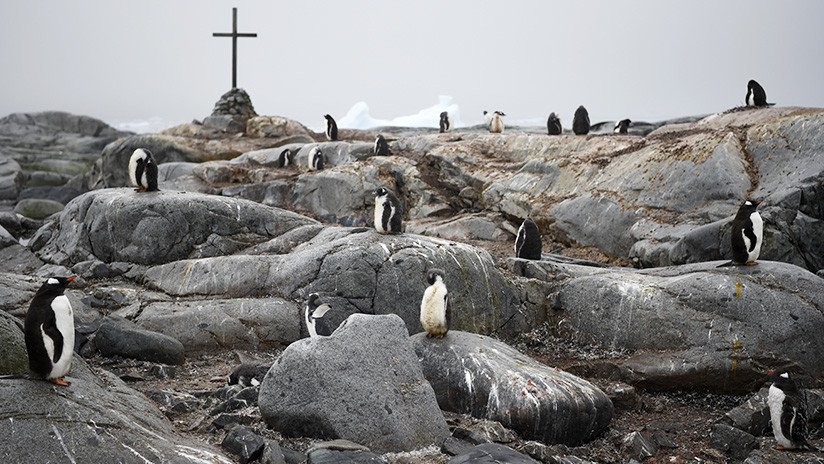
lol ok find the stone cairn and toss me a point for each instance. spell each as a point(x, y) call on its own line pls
point(231, 112)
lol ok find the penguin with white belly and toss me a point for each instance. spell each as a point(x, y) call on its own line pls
point(49, 331)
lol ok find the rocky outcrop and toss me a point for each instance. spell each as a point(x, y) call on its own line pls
point(694, 326)
point(118, 337)
point(477, 375)
point(275, 127)
point(362, 384)
point(358, 270)
point(158, 227)
point(97, 419)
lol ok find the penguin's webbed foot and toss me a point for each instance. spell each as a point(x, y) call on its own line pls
point(61, 382)
point(752, 263)
point(779, 448)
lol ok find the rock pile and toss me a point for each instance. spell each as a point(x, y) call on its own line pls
point(231, 112)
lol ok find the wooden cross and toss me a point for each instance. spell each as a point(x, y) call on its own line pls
point(234, 35)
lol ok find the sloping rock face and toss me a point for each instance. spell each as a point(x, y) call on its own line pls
point(116, 155)
point(693, 326)
point(473, 374)
point(362, 384)
point(158, 227)
point(358, 270)
point(97, 419)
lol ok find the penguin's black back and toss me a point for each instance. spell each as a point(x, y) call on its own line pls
point(40, 313)
point(759, 96)
point(381, 147)
point(528, 241)
point(580, 123)
point(742, 224)
point(395, 222)
point(331, 128)
point(444, 122)
point(151, 174)
point(553, 125)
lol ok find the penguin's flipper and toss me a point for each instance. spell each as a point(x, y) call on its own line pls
point(50, 329)
point(387, 213)
point(750, 234)
point(151, 176)
point(323, 327)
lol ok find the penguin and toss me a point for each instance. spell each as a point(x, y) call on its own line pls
point(756, 96)
point(388, 212)
point(553, 125)
point(316, 159)
point(143, 171)
point(381, 147)
point(580, 122)
point(496, 126)
point(528, 241)
point(49, 331)
point(622, 126)
point(435, 316)
point(444, 122)
point(316, 323)
point(248, 374)
point(285, 158)
point(747, 234)
point(788, 414)
point(331, 128)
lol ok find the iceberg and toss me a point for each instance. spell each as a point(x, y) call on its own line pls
point(358, 116)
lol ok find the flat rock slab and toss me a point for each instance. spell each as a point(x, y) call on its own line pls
point(97, 419)
point(694, 326)
point(477, 375)
point(492, 453)
point(241, 323)
point(119, 337)
point(157, 227)
point(362, 384)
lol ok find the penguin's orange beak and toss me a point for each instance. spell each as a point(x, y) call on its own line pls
point(70, 278)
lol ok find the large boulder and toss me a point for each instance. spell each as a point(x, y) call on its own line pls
point(119, 337)
point(158, 227)
point(359, 270)
point(362, 384)
point(477, 375)
point(97, 419)
point(11, 179)
point(694, 326)
point(13, 357)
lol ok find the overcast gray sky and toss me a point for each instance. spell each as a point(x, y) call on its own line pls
point(646, 60)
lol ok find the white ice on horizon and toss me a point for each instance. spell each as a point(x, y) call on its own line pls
point(358, 116)
point(152, 125)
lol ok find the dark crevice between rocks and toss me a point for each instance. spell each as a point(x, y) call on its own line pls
point(749, 165)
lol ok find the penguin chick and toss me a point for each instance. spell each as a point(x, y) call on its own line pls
point(49, 331)
point(435, 316)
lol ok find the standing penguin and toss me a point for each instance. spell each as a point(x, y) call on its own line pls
point(49, 331)
point(756, 96)
point(316, 159)
point(580, 122)
point(553, 125)
point(747, 234)
point(313, 314)
point(381, 147)
point(285, 158)
point(496, 126)
point(388, 212)
point(622, 126)
point(331, 128)
point(444, 122)
point(143, 170)
point(528, 241)
point(788, 414)
point(435, 316)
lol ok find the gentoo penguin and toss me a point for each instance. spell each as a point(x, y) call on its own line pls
point(496, 125)
point(622, 126)
point(248, 374)
point(331, 128)
point(381, 147)
point(285, 158)
point(528, 241)
point(316, 159)
point(313, 314)
point(747, 234)
point(49, 331)
point(553, 125)
point(788, 414)
point(487, 118)
point(143, 170)
point(435, 317)
point(756, 96)
point(388, 212)
point(444, 122)
point(580, 122)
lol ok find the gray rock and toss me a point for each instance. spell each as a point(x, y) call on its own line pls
point(639, 446)
point(492, 453)
point(694, 326)
point(359, 270)
point(329, 456)
point(174, 403)
point(17, 259)
point(753, 416)
point(45, 179)
point(486, 378)
point(732, 441)
point(243, 323)
point(116, 155)
point(37, 209)
point(6, 239)
point(224, 123)
point(124, 338)
point(13, 357)
point(11, 178)
point(61, 194)
point(16, 292)
point(623, 396)
point(275, 127)
point(471, 227)
point(97, 419)
point(150, 228)
point(382, 401)
point(244, 443)
point(173, 170)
